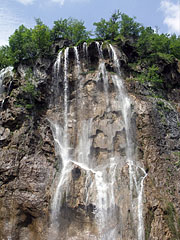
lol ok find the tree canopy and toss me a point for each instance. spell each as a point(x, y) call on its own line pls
point(71, 29)
point(30, 43)
point(118, 25)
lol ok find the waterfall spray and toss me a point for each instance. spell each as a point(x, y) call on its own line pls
point(100, 179)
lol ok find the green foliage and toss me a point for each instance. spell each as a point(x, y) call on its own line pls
point(150, 47)
point(119, 25)
point(101, 29)
point(129, 28)
point(174, 47)
point(41, 36)
point(177, 154)
point(144, 42)
point(71, 29)
point(108, 29)
point(5, 57)
point(151, 75)
point(21, 45)
point(153, 46)
point(29, 92)
point(149, 219)
point(170, 218)
point(28, 44)
point(169, 58)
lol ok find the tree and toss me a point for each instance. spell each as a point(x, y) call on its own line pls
point(5, 57)
point(41, 38)
point(129, 28)
point(119, 24)
point(153, 46)
point(101, 29)
point(71, 29)
point(21, 44)
point(144, 42)
point(174, 47)
point(108, 29)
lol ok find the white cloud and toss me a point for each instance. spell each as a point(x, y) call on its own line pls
point(61, 2)
point(8, 23)
point(80, 0)
point(172, 15)
point(26, 2)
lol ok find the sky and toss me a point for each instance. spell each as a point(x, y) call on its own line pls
point(165, 14)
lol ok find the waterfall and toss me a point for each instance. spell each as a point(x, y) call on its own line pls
point(100, 179)
point(5, 72)
point(78, 65)
point(134, 168)
point(60, 134)
point(85, 50)
point(103, 71)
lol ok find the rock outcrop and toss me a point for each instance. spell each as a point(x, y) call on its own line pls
point(30, 163)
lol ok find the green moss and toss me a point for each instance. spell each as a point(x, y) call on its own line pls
point(163, 105)
point(29, 106)
point(149, 219)
point(106, 44)
point(151, 75)
point(83, 73)
point(91, 40)
point(167, 57)
point(28, 92)
point(63, 200)
point(177, 163)
point(170, 218)
point(178, 225)
point(92, 69)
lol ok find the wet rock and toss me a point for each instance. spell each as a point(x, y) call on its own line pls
point(30, 169)
point(4, 133)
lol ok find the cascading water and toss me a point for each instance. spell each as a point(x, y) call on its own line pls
point(4, 73)
point(135, 170)
point(93, 158)
point(60, 133)
point(85, 50)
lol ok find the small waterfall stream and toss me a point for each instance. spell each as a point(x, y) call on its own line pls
point(60, 133)
point(5, 72)
point(103, 182)
point(134, 168)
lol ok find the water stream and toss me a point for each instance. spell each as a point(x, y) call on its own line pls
point(100, 178)
point(136, 181)
point(5, 72)
point(60, 134)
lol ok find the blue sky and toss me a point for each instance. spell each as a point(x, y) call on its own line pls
point(162, 13)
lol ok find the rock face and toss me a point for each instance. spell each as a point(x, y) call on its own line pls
point(74, 158)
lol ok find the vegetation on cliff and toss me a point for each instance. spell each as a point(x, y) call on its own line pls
point(148, 47)
point(26, 138)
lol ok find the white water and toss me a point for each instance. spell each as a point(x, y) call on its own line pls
point(136, 182)
point(60, 134)
point(85, 50)
point(4, 73)
point(77, 60)
point(100, 179)
point(57, 64)
point(103, 72)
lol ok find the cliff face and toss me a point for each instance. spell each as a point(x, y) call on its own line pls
point(76, 148)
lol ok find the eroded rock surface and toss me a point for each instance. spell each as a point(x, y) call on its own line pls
point(30, 165)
